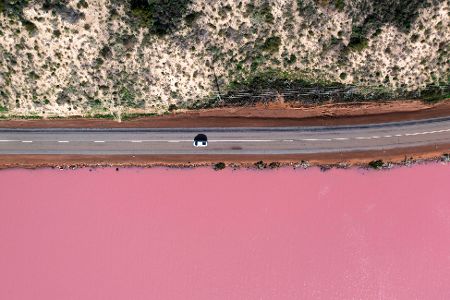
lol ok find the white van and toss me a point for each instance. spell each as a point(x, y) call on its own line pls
point(200, 140)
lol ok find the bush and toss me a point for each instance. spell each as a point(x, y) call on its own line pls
point(274, 165)
point(13, 8)
point(29, 26)
point(260, 165)
point(192, 17)
point(272, 44)
point(57, 33)
point(82, 4)
point(376, 164)
point(219, 166)
point(358, 41)
point(339, 4)
point(160, 16)
point(291, 59)
point(433, 94)
point(106, 52)
point(172, 107)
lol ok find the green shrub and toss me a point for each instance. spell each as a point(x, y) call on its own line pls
point(292, 59)
point(29, 26)
point(103, 116)
point(436, 92)
point(82, 4)
point(264, 13)
point(13, 7)
point(160, 16)
point(260, 165)
point(272, 44)
point(376, 164)
point(219, 166)
point(339, 4)
point(274, 165)
point(306, 8)
point(106, 52)
point(358, 41)
point(172, 107)
point(192, 17)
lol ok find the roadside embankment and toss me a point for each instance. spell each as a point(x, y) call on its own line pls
point(403, 156)
point(261, 115)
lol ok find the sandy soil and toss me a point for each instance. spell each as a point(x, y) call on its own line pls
point(398, 156)
point(276, 114)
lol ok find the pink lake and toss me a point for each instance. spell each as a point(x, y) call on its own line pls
point(201, 234)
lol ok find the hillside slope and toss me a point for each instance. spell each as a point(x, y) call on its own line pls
point(84, 57)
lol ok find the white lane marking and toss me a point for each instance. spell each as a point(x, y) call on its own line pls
point(261, 141)
point(256, 141)
point(317, 140)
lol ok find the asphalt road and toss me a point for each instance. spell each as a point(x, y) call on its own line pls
point(270, 140)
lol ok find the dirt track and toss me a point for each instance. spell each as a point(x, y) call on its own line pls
point(276, 114)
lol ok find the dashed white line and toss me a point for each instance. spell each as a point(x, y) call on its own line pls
point(260, 140)
point(317, 140)
point(256, 141)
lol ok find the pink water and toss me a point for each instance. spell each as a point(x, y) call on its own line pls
point(200, 234)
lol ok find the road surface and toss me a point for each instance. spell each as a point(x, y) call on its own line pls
point(269, 140)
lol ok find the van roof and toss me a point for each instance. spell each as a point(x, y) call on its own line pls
point(200, 138)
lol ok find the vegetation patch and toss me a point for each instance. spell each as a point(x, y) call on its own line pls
point(219, 166)
point(358, 41)
point(376, 164)
point(260, 165)
point(272, 44)
point(13, 7)
point(160, 16)
point(274, 165)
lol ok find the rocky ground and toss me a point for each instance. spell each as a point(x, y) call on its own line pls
point(91, 57)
